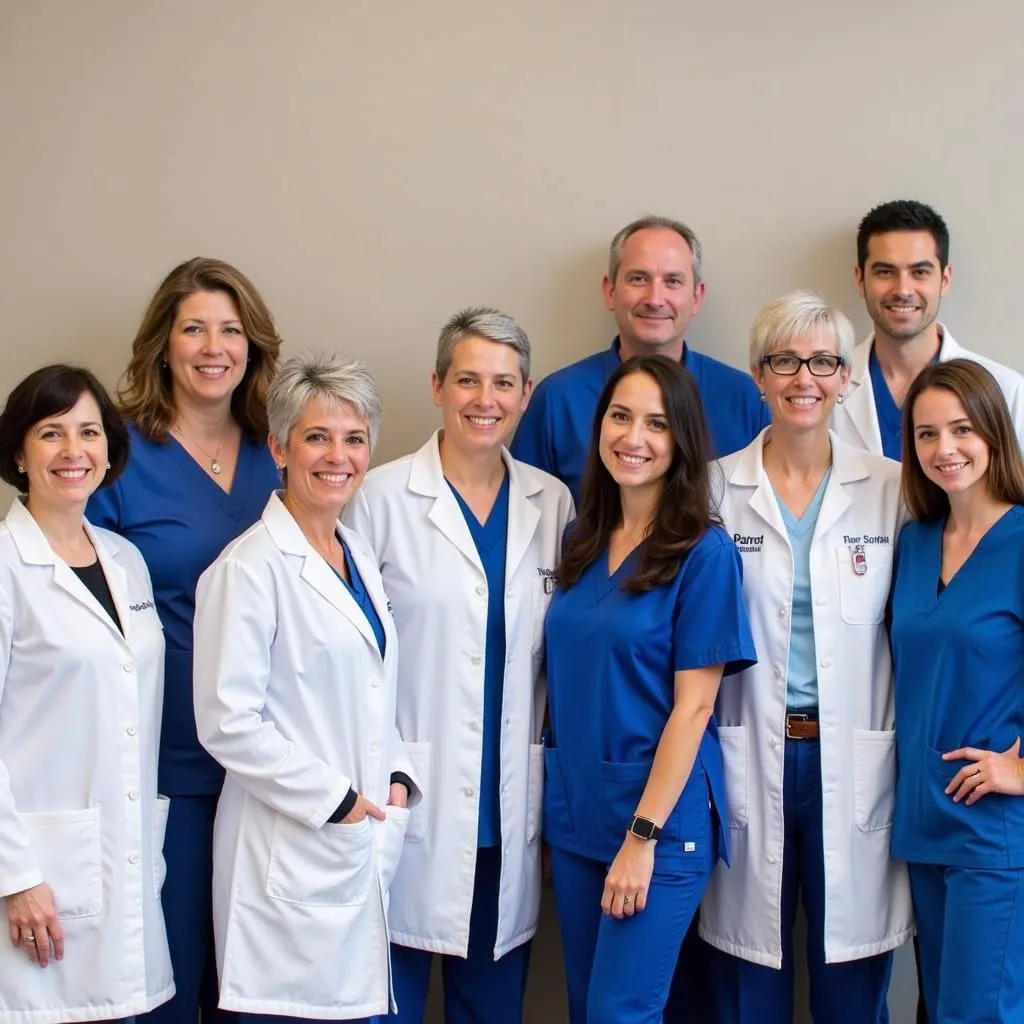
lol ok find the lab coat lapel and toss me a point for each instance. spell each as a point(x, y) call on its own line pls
point(523, 514)
point(117, 580)
point(366, 564)
point(749, 472)
point(316, 571)
point(34, 549)
point(427, 478)
point(859, 402)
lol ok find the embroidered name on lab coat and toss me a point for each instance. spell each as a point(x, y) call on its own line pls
point(748, 544)
point(878, 538)
point(141, 606)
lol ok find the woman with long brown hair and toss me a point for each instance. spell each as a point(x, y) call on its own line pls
point(194, 395)
point(646, 618)
point(957, 634)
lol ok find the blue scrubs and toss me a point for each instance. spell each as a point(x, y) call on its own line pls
point(477, 987)
point(957, 657)
point(355, 586)
point(554, 433)
point(890, 415)
point(612, 658)
point(180, 520)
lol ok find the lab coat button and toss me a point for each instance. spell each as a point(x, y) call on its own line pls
point(771, 858)
point(772, 741)
point(374, 748)
point(778, 671)
point(128, 666)
point(134, 858)
point(481, 590)
point(469, 791)
point(375, 682)
point(782, 613)
point(132, 730)
point(820, 601)
point(133, 794)
point(508, 593)
point(825, 662)
point(474, 725)
point(476, 659)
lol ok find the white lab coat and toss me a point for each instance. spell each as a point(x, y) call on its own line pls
point(856, 421)
point(293, 699)
point(867, 896)
point(80, 708)
point(437, 586)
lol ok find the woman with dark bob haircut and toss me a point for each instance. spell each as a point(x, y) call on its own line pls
point(647, 617)
point(957, 635)
point(81, 680)
point(194, 396)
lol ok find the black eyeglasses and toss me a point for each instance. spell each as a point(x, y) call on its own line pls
point(787, 365)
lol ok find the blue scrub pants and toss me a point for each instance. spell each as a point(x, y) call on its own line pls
point(477, 989)
point(970, 923)
point(841, 993)
point(620, 971)
point(187, 899)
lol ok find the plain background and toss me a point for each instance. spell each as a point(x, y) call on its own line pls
point(376, 166)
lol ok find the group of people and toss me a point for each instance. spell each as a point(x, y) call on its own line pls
point(277, 730)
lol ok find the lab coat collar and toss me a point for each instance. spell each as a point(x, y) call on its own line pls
point(848, 466)
point(426, 477)
point(859, 403)
point(34, 549)
point(286, 534)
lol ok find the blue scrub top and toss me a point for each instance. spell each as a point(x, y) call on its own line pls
point(890, 415)
point(611, 662)
point(958, 662)
point(355, 586)
point(554, 433)
point(180, 520)
point(491, 540)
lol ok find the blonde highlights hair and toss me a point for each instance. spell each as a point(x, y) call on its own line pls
point(145, 393)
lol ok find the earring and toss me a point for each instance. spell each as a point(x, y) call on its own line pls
point(21, 469)
point(764, 397)
point(163, 364)
point(108, 465)
point(840, 398)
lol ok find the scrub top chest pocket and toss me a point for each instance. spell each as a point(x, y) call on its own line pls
point(864, 573)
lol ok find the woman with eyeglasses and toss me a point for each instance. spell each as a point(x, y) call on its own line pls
point(807, 733)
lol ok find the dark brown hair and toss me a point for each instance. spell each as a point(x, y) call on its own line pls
point(985, 404)
point(52, 391)
point(684, 508)
point(145, 389)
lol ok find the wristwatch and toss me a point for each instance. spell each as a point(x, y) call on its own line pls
point(644, 828)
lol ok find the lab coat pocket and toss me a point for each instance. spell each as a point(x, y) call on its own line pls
point(419, 815)
point(733, 739)
point(327, 867)
point(862, 597)
point(66, 845)
point(535, 793)
point(874, 778)
point(161, 808)
point(390, 835)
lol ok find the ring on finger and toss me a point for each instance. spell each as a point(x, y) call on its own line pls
point(30, 935)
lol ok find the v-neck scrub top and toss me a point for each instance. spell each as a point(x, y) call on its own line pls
point(181, 520)
point(612, 658)
point(958, 660)
point(355, 586)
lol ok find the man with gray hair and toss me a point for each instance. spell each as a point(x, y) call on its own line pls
point(653, 289)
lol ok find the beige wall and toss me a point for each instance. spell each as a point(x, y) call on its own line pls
point(373, 166)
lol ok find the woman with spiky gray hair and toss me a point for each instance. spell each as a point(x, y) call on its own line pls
point(467, 539)
point(295, 683)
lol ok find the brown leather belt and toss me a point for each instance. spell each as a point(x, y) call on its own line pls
point(801, 725)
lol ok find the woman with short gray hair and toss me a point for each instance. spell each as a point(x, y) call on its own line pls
point(295, 673)
point(467, 539)
point(807, 733)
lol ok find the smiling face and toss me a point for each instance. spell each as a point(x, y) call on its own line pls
point(902, 283)
point(65, 457)
point(206, 350)
point(326, 458)
point(636, 443)
point(653, 296)
point(804, 401)
point(951, 453)
point(482, 395)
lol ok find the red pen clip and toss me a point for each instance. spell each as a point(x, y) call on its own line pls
point(859, 559)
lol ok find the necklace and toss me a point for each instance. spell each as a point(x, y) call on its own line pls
point(215, 467)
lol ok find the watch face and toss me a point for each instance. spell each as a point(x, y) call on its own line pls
point(642, 828)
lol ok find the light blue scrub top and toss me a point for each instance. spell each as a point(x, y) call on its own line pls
point(491, 540)
point(802, 671)
point(611, 662)
point(554, 433)
point(958, 661)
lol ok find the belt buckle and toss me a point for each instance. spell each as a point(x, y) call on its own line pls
point(795, 716)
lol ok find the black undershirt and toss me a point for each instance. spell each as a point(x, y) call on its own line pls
point(92, 576)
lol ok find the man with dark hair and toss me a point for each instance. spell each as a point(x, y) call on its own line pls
point(653, 289)
point(903, 271)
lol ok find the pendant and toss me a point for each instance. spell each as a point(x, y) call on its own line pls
point(215, 468)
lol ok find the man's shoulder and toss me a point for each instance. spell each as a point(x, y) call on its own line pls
point(707, 367)
point(593, 369)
